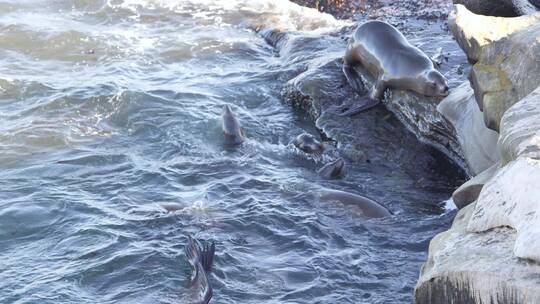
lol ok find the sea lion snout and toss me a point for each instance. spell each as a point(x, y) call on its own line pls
point(436, 84)
point(232, 130)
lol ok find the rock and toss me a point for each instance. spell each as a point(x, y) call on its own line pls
point(520, 129)
point(469, 191)
point(511, 197)
point(465, 267)
point(507, 71)
point(525, 7)
point(320, 85)
point(473, 32)
point(478, 143)
point(504, 8)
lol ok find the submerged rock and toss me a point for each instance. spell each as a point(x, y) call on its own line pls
point(474, 32)
point(464, 267)
point(478, 143)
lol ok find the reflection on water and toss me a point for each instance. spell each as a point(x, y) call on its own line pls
point(110, 108)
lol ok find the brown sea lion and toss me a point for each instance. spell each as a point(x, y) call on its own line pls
point(387, 55)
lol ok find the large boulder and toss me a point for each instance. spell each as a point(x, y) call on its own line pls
point(478, 143)
point(511, 197)
point(464, 267)
point(474, 32)
point(507, 70)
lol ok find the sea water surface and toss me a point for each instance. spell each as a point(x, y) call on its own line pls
point(110, 108)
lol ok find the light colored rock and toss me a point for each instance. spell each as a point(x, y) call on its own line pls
point(520, 129)
point(469, 191)
point(512, 197)
point(507, 71)
point(478, 143)
point(465, 267)
point(473, 32)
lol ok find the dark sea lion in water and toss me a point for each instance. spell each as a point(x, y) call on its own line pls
point(308, 144)
point(200, 260)
point(387, 55)
point(232, 130)
point(333, 170)
point(369, 207)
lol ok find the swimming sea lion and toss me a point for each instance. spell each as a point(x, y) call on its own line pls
point(308, 144)
point(232, 130)
point(333, 170)
point(200, 291)
point(387, 55)
point(370, 208)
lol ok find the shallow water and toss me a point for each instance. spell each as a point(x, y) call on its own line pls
point(108, 108)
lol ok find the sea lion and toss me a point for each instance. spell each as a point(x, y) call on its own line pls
point(200, 291)
point(387, 55)
point(232, 130)
point(333, 170)
point(369, 207)
point(308, 144)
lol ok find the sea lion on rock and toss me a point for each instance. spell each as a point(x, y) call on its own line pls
point(370, 208)
point(333, 170)
point(308, 144)
point(387, 55)
point(200, 260)
point(232, 130)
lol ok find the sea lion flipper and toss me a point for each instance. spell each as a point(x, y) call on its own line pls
point(353, 78)
point(365, 103)
point(207, 256)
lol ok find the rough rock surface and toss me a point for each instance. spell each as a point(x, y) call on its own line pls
point(511, 197)
point(464, 267)
point(469, 192)
point(322, 85)
point(478, 143)
point(473, 32)
point(507, 71)
point(504, 8)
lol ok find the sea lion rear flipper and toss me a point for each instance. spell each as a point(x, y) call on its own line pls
point(365, 103)
point(207, 256)
point(353, 78)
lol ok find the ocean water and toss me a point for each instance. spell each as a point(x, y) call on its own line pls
point(110, 108)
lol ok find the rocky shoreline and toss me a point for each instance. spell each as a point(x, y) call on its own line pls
point(489, 125)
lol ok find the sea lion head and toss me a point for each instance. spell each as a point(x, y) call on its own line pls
point(434, 84)
point(308, 144)
point(232, 130)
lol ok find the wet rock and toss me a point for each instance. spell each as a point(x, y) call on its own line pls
point(478, 143)
point(473, 32)
point(507, 71)
point(464, 267)
point(511, 197)
point(469, 191)
point(504, 8)
point(525, 7)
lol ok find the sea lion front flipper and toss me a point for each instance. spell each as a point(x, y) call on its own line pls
point(365, 103)
point(353, 78)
